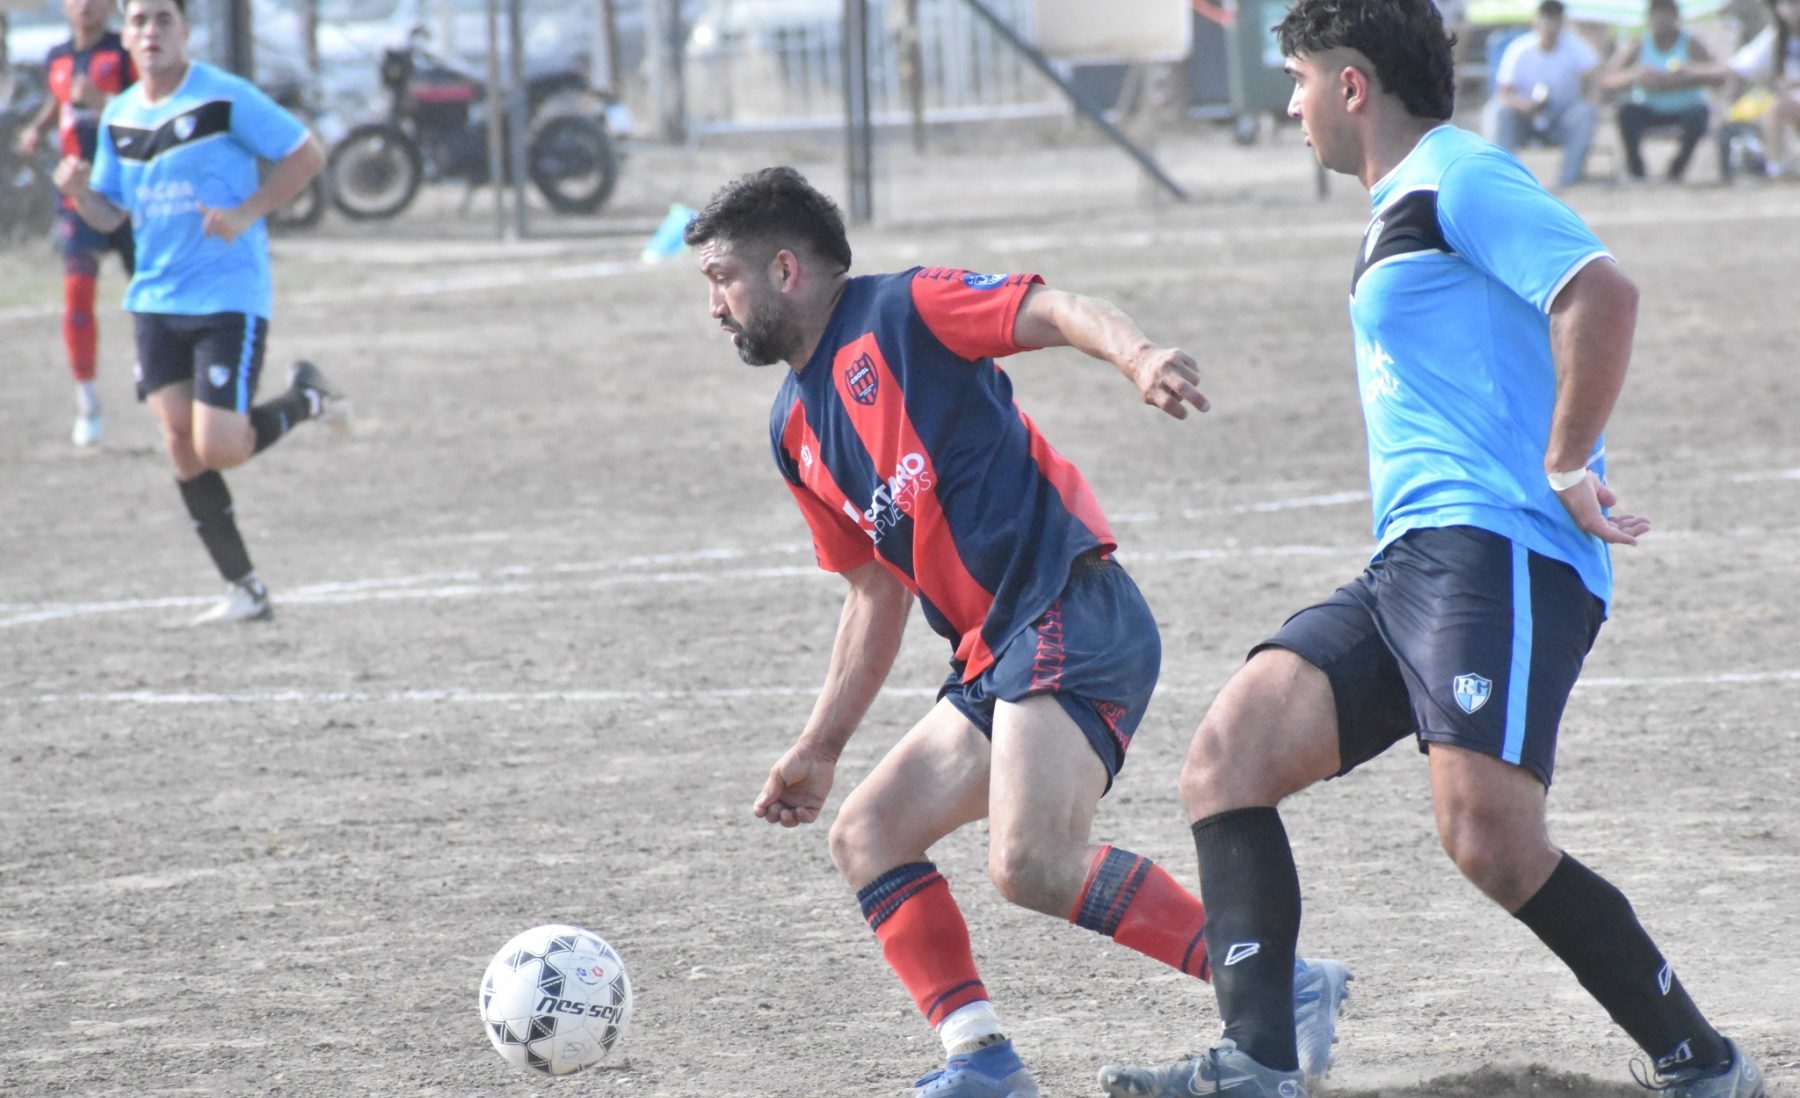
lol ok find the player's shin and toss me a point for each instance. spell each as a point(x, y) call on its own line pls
point(80, 336)
point(926, 942)
point(209, 504)
point(1135, 902)
point(1252, 896)
point(1591, 926)
point(273, 419)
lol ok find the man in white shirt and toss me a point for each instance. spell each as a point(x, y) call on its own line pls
point(1540, 93)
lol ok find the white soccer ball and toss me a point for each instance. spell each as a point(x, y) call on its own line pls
point(555, 999)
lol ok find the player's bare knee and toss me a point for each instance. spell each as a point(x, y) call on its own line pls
point(1504, 867)
point(222, 453)
point(1228, 765)
point(849, 844)
point(1023, 872)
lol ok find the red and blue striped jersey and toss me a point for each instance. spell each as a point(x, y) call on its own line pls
point(902, 443)
point(105, 65)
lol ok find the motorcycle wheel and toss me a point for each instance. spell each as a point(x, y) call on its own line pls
point(375, 172)
point(303, 210)
point(573, 163)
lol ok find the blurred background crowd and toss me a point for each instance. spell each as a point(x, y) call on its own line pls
point(1698, 91)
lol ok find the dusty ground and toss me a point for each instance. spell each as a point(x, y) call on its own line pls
point(546, 616)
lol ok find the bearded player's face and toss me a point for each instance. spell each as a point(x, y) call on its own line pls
point(742, 297)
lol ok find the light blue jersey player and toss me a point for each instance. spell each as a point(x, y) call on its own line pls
point(1450, 306)
point(180, 156)
point(169, 160)
point(1492, 336)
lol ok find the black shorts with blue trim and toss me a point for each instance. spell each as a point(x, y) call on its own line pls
point(1456, 635)
point(221, 353)
point(1096, 649)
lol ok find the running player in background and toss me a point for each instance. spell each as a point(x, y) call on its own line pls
point(1492, 333)
point(921, 479)
point(84, 72)
point(178, 155)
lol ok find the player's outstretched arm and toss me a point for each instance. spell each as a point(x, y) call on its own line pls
point(1591, 325)
point(1165, 376)
point(868, 639)
point(71, 178)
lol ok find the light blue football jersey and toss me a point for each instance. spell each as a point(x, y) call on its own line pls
point(1450, 304)
point(162, 161)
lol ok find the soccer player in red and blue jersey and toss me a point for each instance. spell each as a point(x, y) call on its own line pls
point(922, 481)
point(83, 73)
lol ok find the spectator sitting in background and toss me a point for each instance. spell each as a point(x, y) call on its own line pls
point(1665, 75)
point(1771, 61)
point(1540, 92)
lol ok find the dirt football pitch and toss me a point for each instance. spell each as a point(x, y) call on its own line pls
point(547, 614)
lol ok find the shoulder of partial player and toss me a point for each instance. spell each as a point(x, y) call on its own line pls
point(1482, 176)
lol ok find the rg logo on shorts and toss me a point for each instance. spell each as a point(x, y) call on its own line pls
point(1471, 691)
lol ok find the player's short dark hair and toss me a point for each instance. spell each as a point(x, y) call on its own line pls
point(180, 6)
point(776, 208)
point(1552, 9)
point(1665, 5)
point(1404, 39)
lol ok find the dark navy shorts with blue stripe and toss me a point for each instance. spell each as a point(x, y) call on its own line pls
point(221, 353)
point(1455, 635)
point(1096, 648)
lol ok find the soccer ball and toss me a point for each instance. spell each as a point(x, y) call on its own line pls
point(555, 999)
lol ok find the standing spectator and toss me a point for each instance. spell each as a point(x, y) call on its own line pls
point(1665, 75)
point(1540, 92)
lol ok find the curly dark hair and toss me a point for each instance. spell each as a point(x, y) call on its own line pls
point(1404, 39)
point(773, 208)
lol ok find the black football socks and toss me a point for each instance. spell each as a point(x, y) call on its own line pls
point(1252, 895)
point(1591, 926)
point(209, 503)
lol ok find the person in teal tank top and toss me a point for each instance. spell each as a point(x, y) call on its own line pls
point(1664, 76)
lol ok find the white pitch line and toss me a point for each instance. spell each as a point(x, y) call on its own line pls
point(579, 697)
point(1773, 474)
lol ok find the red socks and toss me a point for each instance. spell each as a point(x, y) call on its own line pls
point(924, 938)
point(1135, 903)
point(79, 333)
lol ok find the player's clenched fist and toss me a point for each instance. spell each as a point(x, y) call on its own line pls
point(797, 787)
point(225, 224)
point(1168, 377)
point(71, 176)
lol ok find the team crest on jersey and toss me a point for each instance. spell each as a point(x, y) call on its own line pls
point(184, 127)
point(862, 380)
point(983, 282)
point(1471, 691)
point(218, 375)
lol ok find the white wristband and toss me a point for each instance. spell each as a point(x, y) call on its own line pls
point(1562, 482)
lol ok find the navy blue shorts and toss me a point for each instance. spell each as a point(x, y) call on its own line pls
point(83, 246)
point(1096, 649)
point(221, 353)
point(1455, 635)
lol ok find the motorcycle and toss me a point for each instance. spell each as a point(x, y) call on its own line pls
point(437, 130)
point(28, 199)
